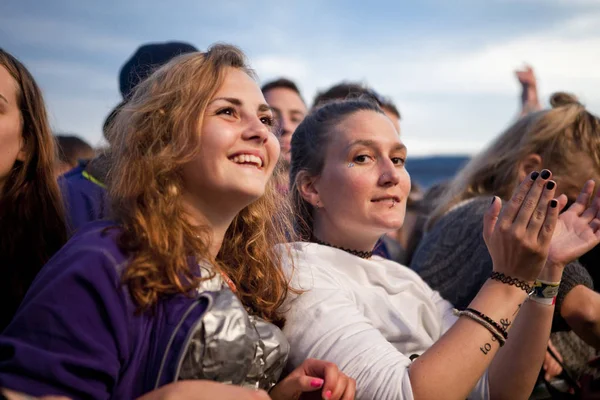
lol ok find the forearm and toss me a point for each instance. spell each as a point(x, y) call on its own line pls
point(529, 100)
point(581, 310)
point(460, 357)
point(515, 368)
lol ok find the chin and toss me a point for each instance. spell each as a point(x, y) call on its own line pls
point(248, 194)
point(391, 224)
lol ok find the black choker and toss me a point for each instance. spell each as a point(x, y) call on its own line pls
point(362, 254)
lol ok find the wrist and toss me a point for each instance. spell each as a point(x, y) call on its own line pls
point(504, 290)
point(552, 272)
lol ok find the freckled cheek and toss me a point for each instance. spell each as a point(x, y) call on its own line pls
point(352, 187)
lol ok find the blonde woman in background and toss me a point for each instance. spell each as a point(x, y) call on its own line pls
point(452, 256)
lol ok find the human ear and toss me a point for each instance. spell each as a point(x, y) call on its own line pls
point(306, 186)
point(531, 162)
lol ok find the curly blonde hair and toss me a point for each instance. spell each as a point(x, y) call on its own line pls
point(562, 136)
point(153, 136)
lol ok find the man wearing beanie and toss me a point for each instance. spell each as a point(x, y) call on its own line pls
point(83, 190)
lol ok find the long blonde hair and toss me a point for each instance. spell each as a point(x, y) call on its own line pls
point(152, 137)
point(560, 135)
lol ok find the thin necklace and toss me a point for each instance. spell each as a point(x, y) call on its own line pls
point(358, 253)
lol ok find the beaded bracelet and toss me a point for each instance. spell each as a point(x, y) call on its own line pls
point(498, 327)
point(499, 337)
point(499, 276)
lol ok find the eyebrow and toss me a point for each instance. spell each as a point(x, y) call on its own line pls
point(238, 102)
point(371, 143)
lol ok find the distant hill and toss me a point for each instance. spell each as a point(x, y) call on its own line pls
point(429, 170)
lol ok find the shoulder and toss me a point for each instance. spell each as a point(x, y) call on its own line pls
point(75, 172)
point(92, 253)
point(455, 243)
point(470, 211)
point(310, 266)
point(75, 182)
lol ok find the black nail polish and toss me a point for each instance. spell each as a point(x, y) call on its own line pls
point(493, 200)
point(553, 203)
point(534, 175)
point(550, 185)
point(545, 174)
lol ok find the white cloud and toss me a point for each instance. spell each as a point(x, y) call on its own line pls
point(268, 66)
point(454, 100)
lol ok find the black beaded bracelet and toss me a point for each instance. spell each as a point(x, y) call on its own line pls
point(496, 325)
point(492, 329)
point(499, 276)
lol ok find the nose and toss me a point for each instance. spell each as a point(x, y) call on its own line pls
point(257, 131)
point(389, 174)
point(284, 124)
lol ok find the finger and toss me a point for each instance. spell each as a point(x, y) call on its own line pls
point(553, 369)
point(549, 223)
point(562, 202)
point(595, 225)
point(531, 200)
point(491, 217)
point(592, 210)
point(510, 210)
point(326, 370)
point(539, 215)
point(350, 392)
point(583, 198)
point(309, 383)
point(340, 387)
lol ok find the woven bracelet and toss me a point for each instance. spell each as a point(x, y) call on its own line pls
point(492, 329)
point(545, 292)
point(496, 325)
point(499, 276)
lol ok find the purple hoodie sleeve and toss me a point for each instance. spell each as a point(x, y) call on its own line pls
point(71, 335)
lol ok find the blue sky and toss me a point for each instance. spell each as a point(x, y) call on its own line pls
point(448, 65)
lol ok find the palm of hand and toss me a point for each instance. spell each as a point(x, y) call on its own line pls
point(573, 237)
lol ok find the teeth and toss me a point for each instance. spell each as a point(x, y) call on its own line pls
point(247, 159)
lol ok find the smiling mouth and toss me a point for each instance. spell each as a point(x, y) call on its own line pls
point(393, 199)
point(247, 159)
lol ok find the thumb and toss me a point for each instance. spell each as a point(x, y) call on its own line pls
point(562, 202)
point(491, 217)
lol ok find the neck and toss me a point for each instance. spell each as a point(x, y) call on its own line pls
point(333, 235)
point(217, 221)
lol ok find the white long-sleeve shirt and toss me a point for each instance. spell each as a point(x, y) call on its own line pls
point(367, 316)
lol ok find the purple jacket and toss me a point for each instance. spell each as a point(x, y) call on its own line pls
point(77, 334)
point(84, 200)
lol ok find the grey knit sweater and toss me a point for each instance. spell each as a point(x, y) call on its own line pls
point(453, 258)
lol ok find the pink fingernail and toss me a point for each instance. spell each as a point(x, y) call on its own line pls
point(316, 383)
point(328, 394)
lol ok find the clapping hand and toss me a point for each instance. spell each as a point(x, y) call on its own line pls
point(578, 228)
point(518, 235)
